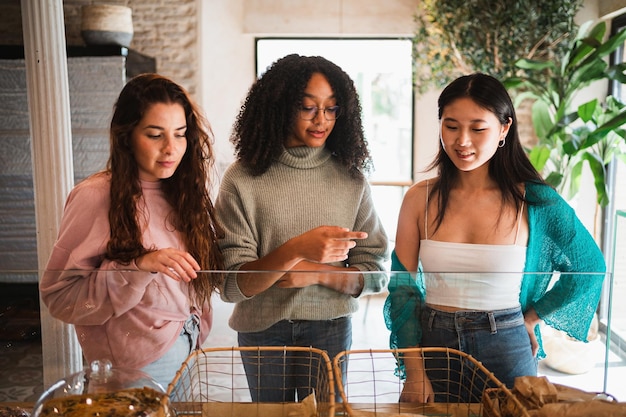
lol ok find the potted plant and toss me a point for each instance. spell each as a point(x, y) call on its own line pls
point(570, 135)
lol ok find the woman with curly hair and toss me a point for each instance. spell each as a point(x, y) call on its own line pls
point(296, 205)
point(138, 232)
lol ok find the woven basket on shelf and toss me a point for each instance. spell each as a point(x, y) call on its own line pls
point(106, 24)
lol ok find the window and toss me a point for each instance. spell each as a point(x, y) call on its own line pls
point(383, 74)
point(615, 230)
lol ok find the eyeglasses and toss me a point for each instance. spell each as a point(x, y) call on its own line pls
point(310, 113)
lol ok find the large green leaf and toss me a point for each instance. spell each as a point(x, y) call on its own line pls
point(579, 52)
point(574, 179)
point(612, 43)
point(584, 75)
point(538, 156)
point(530, 64)
point(613, 123)
point(542, 120)
point(597, 32)
point(513, 82)
point(616, 72)
point(597, 168)
point(554, 179)
point(587, 110)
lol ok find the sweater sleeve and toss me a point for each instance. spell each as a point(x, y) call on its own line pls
point(78, 285)
point(563, 244)
point(370, 254)
point(403, 305)
point(402, 309)
point(239, 245)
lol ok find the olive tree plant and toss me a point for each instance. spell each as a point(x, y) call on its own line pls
point(456, 37)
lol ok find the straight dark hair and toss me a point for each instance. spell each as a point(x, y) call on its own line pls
point(509, 167)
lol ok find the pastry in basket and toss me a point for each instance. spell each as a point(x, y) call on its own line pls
point(138, 402)
point(6, 411)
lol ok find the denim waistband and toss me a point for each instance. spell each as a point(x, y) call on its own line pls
point(311, 321)
point(473, 320)
point(191, 325)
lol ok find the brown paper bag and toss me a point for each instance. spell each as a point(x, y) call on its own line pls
point(593, 408)
point(541, 398)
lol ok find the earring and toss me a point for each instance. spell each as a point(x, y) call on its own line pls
point(501, 143)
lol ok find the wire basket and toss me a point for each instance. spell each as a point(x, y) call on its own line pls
point(214, 382)
point(372, 385)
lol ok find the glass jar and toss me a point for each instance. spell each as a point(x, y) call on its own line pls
point(102, 390)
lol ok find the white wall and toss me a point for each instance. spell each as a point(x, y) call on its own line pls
point(226, 62)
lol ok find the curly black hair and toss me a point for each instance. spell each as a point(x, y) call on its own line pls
point(268, 114)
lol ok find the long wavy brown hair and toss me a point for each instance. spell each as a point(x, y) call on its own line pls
point(187, 191)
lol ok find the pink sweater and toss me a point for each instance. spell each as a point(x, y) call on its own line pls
point(128, 316)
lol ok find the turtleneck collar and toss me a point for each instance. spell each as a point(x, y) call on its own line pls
point(150, 185)
point(304, 157)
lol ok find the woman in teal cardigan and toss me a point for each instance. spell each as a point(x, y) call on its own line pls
point(488, 210)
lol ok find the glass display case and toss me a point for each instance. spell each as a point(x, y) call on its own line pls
point(595, 366)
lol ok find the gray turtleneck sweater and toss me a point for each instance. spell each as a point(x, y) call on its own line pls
point(305, 188)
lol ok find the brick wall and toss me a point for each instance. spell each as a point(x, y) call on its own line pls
point(164, 29)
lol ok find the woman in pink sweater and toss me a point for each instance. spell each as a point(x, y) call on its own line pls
point(124, 269)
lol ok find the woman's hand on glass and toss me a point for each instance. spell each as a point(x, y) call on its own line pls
point(175, 263)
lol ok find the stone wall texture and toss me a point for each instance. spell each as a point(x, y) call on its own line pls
point(164, 29)
point(91, 109)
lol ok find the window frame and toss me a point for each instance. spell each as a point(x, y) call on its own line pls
point(617, 341)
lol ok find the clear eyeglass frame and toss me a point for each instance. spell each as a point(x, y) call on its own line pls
point(310, 112)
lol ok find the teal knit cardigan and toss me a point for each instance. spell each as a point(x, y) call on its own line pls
point(557, 242)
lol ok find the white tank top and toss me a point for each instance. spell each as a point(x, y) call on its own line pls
point(472, 276)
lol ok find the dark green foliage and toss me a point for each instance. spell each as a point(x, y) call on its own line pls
point(456, 37)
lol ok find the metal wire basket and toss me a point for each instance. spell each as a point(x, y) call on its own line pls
point(214, 382)
point(372, 385)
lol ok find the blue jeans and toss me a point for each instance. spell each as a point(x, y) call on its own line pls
point(497, 338)
point(164, 369)
point(287, 376)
